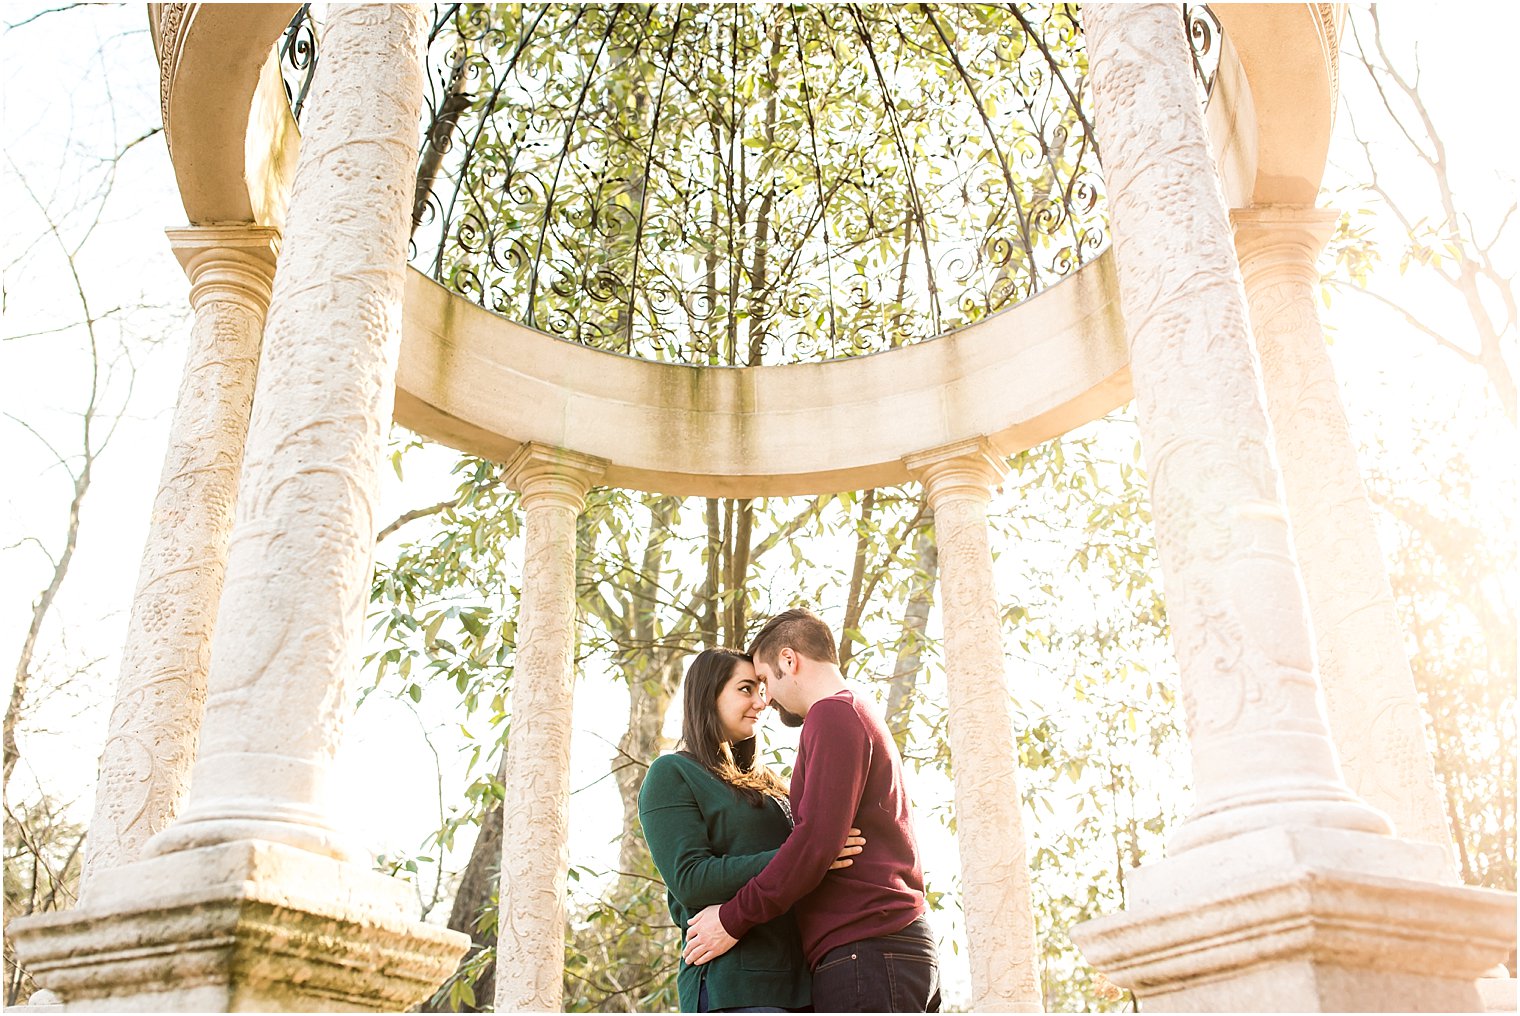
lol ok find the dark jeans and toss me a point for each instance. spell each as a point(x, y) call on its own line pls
point(702, 1004)
point(893, 973)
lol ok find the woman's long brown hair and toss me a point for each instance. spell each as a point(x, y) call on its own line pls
point(702, 734)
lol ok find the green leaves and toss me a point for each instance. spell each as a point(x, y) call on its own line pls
point(701, 184)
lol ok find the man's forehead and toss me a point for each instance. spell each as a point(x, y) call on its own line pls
point(764, 671)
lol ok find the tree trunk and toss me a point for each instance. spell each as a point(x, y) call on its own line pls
point(714, 573)
point(854, 603)
point(445, 119)
point(738, 571)
point(477, 884)
point(910, 643)
point(652, 674)
point(17, 704)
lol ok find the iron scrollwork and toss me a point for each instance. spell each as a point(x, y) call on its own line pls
point(298, 59)
point(1204, 39)
point(729, 185)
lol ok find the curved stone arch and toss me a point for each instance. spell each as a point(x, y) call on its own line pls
point(487, 385)
point(1284, 60)
point(231, 137)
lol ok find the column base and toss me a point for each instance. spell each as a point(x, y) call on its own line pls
point(1303, 920)
point(42, 1001)
point(248, 926)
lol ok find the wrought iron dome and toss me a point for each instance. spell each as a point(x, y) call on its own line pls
point(732, 185)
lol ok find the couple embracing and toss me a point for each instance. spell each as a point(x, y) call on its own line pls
point(808, 897)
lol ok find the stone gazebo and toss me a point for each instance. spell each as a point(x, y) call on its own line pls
point(1314, 871)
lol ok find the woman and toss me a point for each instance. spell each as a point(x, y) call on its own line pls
point(713, 816)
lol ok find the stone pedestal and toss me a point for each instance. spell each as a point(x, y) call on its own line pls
point(240, 927)
point(1283, 889)
point(1000, 932)
point(530, 952)
point(1303, 920)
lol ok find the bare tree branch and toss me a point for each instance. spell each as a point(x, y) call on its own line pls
point(415, 514)
point(42, 14)
point(1446, 243)
point(92, 445)
point(1440, 339)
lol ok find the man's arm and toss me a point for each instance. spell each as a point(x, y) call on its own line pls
point(838, 756)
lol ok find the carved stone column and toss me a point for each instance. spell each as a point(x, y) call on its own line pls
point(1282, 889)
point(248, 901)
point(155, 723)
point(298, 574)
point(530, 954)
point(1373, 708)
point(983, 743)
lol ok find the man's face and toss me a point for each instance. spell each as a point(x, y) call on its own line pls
point(781, 688)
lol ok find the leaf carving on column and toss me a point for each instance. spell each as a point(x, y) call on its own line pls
point(154, 726)
point(299, 566)
point(989, 818)
point(531, 943)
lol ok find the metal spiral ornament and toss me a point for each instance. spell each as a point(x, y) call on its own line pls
point(726, 185)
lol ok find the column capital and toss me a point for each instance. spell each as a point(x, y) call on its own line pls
point(965, 470)
point(1281, 236)
point(228, 262)
point(543, 472)
point(190, 242)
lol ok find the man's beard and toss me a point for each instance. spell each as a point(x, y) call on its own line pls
point(788, 718)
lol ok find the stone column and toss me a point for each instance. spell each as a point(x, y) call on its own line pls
point(989, 821)
point(249, 900)
point(298, 574)
point(155, 723)
point(530, 952)
point(1282, 889)
point(1373, 708)
point(1262, 755)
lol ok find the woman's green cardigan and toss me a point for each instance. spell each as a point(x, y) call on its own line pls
point(708, 841)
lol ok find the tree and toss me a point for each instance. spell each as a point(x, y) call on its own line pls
point(109, 389)
point(1453, 580)
point(1430, 245)
point(1443, 235)
point(43, 860)
point(69, 306)
point(571, 215)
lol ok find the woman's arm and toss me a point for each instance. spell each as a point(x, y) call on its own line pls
point(677, 837)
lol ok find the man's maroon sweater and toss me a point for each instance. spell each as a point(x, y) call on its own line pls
point(847, 773)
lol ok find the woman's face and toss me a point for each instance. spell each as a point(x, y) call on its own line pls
point(740, 703)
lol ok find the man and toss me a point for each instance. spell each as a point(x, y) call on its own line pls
point(863, 927)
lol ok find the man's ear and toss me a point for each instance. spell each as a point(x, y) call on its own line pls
point(786, 656)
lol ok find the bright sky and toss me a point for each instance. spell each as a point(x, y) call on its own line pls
point(80, 85)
